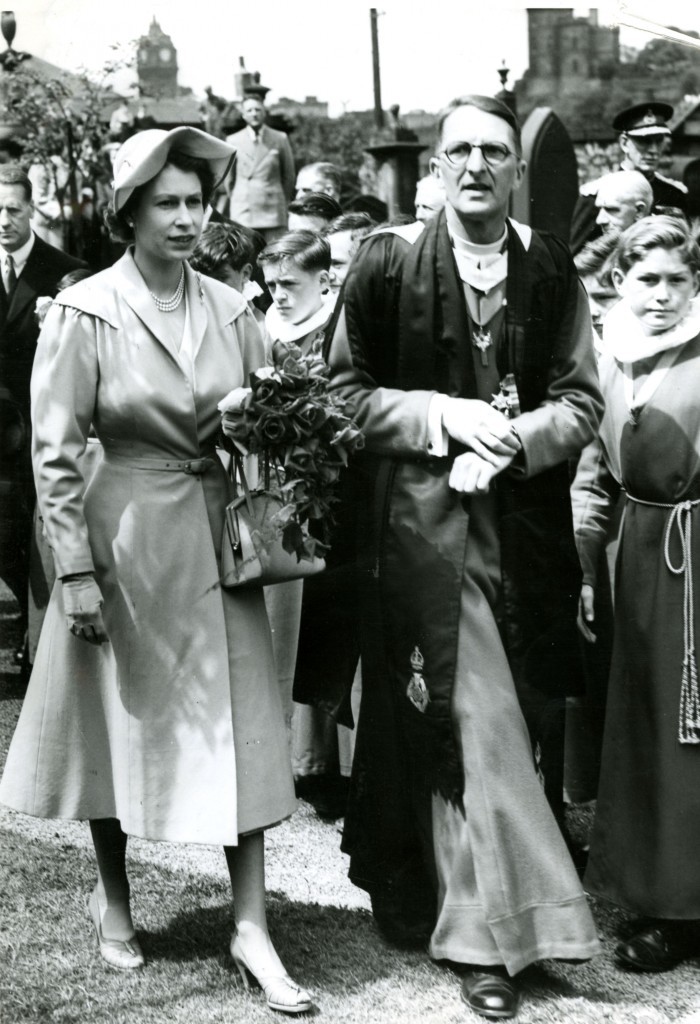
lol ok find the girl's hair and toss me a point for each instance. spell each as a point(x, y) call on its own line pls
point(656, 233)
point(118, 223)
point(305, 248)
point(226, 244)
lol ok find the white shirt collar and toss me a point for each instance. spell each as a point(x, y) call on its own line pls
point(20, 256)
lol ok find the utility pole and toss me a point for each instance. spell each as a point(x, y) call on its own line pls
point(378, 111)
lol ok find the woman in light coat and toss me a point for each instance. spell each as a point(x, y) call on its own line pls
point(153, 708)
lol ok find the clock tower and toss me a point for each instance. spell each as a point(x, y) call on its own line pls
point(157, 63)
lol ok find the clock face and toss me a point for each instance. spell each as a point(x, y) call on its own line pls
point(165, 54)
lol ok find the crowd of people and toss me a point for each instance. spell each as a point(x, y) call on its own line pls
point(526, 403)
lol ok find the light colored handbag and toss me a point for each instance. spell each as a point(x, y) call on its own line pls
point(252, 552)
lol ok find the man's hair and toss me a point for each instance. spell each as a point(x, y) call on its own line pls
point(597, 258)
point(629, 185)
point(326, 170)
point(656, 233)
point(226, 244)
point(316, 204)
point(489, 105)
point(358, 224)
point(13, 174)
point(307, 249)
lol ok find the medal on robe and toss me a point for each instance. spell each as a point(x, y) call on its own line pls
point(481, 339)
point(634, 415)
point(417, 691)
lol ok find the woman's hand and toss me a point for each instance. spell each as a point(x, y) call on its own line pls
point(82, 604)
point(473, 475)
point(482, 428)
point(586, 613)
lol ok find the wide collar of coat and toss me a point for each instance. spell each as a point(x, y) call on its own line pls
point(99, 296)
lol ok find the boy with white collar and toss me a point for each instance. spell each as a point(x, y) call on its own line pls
point(296, 268)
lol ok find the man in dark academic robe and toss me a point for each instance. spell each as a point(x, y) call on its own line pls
point(468, 571)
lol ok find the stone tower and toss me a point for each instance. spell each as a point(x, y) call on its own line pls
point(157, 63)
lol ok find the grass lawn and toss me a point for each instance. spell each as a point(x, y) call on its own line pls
point(50, 970)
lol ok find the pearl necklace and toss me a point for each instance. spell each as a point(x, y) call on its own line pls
point(171, 304)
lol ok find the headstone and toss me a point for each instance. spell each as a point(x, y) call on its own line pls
point(548, 193)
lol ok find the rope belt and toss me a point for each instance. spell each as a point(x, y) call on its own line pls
point(682, 517)
point(193, 467)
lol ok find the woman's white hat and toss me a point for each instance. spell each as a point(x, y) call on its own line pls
point(145, 154)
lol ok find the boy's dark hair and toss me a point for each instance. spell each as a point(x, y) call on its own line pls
point(305, 248)
point(316, 204)
point(358, 224)
point(226, 244)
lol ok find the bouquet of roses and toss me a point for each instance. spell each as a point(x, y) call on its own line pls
point(299, 430)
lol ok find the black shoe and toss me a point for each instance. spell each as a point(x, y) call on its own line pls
point(660, 946)
point(491, 992)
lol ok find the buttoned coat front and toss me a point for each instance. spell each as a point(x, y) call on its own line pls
point(263, 178)
point(175, 726)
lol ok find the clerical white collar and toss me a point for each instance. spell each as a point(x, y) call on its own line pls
point(282, 330)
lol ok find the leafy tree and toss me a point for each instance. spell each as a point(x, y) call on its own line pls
point(64, 117)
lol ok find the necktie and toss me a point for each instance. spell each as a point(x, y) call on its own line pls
point(10, 274)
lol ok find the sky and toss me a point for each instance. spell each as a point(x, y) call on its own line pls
point(430, 50)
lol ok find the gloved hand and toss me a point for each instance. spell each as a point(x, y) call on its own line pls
point(82, 603)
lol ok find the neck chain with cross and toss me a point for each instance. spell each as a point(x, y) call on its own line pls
point(481, 335)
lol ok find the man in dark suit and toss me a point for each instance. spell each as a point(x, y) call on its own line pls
point(263, 175)
point(29, 268)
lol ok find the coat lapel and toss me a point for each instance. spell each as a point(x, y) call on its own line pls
point(31, 283)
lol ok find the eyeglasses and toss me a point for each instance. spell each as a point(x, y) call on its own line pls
point(494, 153)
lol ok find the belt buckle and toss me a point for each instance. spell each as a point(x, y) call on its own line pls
point(196, 467)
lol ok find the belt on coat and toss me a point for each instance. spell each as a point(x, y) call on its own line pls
point(193, 467)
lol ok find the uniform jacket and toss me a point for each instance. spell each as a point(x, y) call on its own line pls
point(262, 180)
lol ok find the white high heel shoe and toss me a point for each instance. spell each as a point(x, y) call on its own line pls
point(125, 955)
point(281, 992)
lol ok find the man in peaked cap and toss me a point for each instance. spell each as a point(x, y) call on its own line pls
point(644, 138)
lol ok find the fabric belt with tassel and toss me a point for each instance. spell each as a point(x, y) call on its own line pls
point(682, 517)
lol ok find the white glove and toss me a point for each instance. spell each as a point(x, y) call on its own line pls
point(82, 603)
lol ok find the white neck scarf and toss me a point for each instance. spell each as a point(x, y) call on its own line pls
point(625, 340)
point(281, 330)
